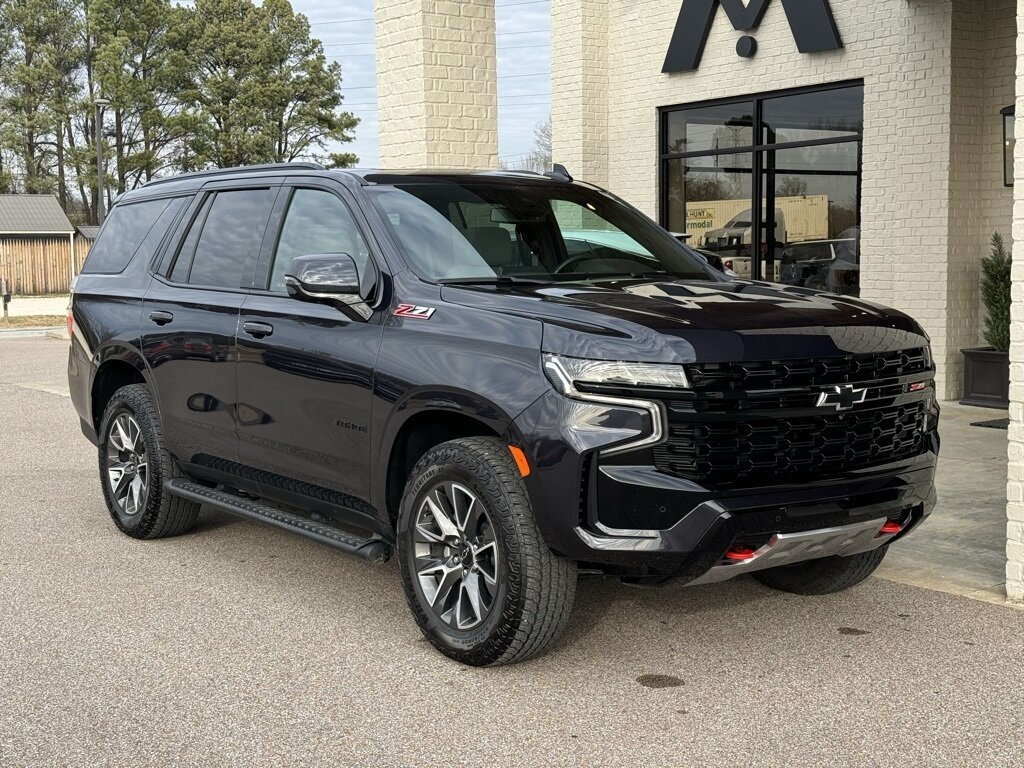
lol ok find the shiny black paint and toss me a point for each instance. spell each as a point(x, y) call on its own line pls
point(309, 414)
point(304, 392)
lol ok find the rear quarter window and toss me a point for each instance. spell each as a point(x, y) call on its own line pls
point(136, 228)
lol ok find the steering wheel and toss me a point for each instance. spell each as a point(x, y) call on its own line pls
point(582, 257)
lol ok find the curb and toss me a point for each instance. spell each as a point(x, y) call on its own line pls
point(55, 332)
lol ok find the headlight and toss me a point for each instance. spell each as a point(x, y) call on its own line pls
point(566, 373)
point(608, 422)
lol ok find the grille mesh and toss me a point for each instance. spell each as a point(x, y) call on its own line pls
point(780, 437)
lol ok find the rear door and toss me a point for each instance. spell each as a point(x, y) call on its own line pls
point(306, 369)
point(190, 318)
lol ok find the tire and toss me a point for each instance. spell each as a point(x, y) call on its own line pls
point(503, 557)
point(825, 576)
point(147, 512)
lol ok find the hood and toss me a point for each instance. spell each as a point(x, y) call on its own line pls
point(696, 321)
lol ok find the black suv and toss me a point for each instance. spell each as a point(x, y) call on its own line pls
point(507, 378)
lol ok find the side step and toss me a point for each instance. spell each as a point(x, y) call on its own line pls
point(375, 550)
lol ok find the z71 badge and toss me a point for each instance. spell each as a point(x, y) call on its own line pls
point(414, 312)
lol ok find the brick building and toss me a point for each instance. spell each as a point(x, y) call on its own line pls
point(860, 147)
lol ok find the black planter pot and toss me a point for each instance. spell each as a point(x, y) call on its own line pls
point(986, 378)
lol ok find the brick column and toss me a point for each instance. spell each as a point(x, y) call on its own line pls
point(437, 84)
point(579, 87)
point(1015, 480)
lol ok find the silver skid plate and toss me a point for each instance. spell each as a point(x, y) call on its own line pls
point(790, 548)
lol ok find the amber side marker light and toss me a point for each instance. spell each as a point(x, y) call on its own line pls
point(521, 462)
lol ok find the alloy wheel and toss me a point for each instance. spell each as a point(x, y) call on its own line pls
point(127, 465)
point(456, 556)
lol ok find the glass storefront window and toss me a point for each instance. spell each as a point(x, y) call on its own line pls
point(804, 174)
point(813, 116)
point(710, 129)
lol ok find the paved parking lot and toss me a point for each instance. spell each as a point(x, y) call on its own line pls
point(239, 645)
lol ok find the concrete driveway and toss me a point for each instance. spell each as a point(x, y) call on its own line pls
point(239, 645)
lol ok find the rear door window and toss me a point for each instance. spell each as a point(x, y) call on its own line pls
point(131, 229)
point(225, 238)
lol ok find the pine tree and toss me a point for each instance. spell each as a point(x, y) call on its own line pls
point(995, 293)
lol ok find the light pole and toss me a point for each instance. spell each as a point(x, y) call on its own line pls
point(101, 104)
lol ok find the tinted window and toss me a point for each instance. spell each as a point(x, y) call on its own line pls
point(708, 129)
point(124, 234)
point(231, 237)
point(188, 248)
point(825, 114)
point(317, 222)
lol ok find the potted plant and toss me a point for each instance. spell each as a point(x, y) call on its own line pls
point(987, 369)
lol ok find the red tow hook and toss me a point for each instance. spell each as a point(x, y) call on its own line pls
point(891, 528)
point(739, 554)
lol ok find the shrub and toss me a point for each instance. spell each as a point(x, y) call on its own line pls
point(995, 293)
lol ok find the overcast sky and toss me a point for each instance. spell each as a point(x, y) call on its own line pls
point(524, 67)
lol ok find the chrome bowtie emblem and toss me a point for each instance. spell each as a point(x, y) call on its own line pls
point(842, 397)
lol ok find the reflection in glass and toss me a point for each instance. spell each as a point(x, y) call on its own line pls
point(816, 191)
point(711, 129)
point(709, 199)
point(828, 114)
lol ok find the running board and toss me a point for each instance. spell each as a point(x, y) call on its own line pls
point(373, 549)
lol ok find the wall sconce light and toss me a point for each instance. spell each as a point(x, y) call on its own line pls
point(1009, 142)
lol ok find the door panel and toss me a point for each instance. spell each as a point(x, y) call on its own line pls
point(304, 392)
point(306, 369)
point(188, 339)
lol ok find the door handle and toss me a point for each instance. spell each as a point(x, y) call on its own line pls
point(160, 317)
point(259, 330)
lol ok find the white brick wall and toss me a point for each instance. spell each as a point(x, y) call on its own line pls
point(1015, 480)
point(924, 227)
point(437, 83)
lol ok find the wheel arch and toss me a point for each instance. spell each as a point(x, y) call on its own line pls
point(117, 366)
point(430, 419)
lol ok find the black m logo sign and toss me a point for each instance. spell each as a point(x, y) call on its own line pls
point(813, 25)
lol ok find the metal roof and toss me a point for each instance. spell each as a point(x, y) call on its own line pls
point(89, 233)
point(32, 214)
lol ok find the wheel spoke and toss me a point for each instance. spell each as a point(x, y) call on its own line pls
point(487, 560)
point(437, 582)
point(441, 515)
point(470, 609)
point(120, 477)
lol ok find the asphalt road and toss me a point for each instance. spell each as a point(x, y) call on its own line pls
point(239, 645)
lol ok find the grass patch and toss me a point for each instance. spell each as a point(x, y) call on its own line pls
point(33, 321)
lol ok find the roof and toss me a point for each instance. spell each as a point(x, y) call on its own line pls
point(32, 215)
point(89, 233)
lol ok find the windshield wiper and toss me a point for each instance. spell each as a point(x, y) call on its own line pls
point(496, 280)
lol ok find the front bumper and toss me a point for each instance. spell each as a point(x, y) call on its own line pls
point(637, 522)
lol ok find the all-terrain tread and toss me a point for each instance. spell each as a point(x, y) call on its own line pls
point(825, 576)
point(165, 514)
point(542, 586)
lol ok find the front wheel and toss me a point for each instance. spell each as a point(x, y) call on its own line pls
point(825, 576)
point(480, 580)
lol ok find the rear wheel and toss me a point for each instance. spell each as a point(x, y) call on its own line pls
point(480, 580)
point(134, 462)
point(825, 576)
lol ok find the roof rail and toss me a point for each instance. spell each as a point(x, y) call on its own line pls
point(238, 170)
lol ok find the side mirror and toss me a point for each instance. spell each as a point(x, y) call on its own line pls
point(331, 278)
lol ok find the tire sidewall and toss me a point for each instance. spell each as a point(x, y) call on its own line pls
point(499, 626)
point(141, 523)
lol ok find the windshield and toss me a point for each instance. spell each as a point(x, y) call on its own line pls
point(485, 231)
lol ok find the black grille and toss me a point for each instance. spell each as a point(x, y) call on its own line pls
point(715, 378)
point(770, 451)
